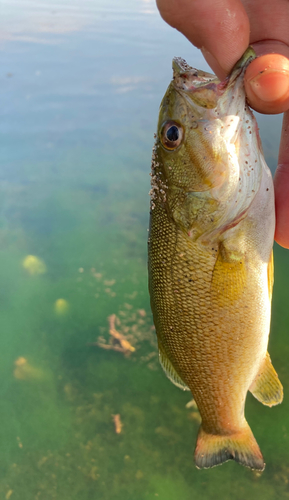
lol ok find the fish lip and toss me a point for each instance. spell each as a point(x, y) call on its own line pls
point(240, 67)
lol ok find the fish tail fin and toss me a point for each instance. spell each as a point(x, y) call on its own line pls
point(215, 449)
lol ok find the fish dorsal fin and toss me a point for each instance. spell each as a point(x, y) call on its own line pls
point(267, 387)
point(170, 371)
point(270, 275)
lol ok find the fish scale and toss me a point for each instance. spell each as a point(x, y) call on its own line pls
point(210, 258)
point(193, 331)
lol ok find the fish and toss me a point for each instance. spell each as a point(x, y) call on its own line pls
point(210, 257)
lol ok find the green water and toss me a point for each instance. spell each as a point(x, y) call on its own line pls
point(81, 83)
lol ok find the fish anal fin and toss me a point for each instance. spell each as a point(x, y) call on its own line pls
point(215, 449)
point(170, 371)
point(267, 387)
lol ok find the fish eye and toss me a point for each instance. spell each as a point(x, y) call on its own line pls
point(171, 135)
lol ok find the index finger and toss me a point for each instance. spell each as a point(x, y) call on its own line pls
point(220, 28)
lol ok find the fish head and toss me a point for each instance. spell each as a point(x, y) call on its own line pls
point(189, 158)
point(201, 138)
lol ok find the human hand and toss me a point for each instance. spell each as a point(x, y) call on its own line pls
point(223, 29)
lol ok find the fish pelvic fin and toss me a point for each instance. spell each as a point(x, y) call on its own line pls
point(267, 387)
point(169, 370)
point(215, 449)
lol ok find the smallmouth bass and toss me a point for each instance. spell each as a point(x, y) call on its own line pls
point(210, 257)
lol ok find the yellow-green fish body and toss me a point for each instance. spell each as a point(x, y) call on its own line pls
point(210, 257)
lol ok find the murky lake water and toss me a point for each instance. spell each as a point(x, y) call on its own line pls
point(81, 82)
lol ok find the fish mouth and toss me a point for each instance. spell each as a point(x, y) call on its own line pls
point(186, 77)
point(205, 87)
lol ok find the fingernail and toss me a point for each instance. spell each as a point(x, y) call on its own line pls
point(270, 84)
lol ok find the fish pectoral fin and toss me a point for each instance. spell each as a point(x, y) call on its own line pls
point(215, 449)
point(229, 276)
point(267, 387)
point(170, 371)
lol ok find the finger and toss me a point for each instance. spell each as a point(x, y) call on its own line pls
point(281, 183)
point(220, 28)
point(267, 79)
point(268, 20)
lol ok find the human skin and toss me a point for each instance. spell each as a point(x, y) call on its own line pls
point(223, 29)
